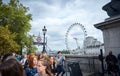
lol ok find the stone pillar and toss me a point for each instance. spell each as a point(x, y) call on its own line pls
point(111, 34)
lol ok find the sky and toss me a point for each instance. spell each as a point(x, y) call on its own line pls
point(59, 15)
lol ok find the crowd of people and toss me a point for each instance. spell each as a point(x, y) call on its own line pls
point(32, 65)
point(43, 64)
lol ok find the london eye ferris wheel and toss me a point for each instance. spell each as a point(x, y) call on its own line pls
point(75, 37)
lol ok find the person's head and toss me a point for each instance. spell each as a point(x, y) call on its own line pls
point(59, 53)
point(32, 59)
point(110, 52)
point(7, 56)
point(43, 67)
point(25, 56)
point(40, 56)
point(14, 54)
point(52, 59)
point(11, 67)
point(43, 56)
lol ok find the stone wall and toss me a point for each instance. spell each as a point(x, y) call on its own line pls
point(111, 34)
point(89, 64)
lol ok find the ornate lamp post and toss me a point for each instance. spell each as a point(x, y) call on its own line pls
point(44, 32)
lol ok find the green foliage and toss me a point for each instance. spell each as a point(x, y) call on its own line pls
point(30, 47)
point(15, 15)
point(0, 2)
point(65, 51)
point(7, 42)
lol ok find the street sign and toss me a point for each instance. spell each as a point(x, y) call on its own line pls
point(38, 43)
point(38, 38)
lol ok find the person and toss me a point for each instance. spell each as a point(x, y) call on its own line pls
point(18, 57)
point(119, 63)
point(0, 58)
point(7, 56)
point(44, 56)
point(60, 63)
point(53, 65)
point(31, 70)
point(11, 67)
point(43, 68)
point(111, 61)
point(118, 59)
point(24, 61)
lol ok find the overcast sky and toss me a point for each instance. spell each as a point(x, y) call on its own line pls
point(59, 15)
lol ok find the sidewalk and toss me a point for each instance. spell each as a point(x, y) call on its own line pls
point(84, 74)
point(88, 74)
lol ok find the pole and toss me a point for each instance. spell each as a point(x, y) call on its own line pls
point(102, 63)
point(44, 32)
point(44, 44)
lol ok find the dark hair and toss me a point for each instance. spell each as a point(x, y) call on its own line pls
point(6, 56)
point(59, 52)
point(11, 67)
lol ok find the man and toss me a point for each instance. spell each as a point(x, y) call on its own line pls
point(111, 61)
point(60, 63)
point(24, 61)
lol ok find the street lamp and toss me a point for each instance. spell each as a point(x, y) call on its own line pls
point(44, 32)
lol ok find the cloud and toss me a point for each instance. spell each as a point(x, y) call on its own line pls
point(59, 15)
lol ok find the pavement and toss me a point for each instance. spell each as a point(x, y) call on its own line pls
point(87, 74)
point(84, 74)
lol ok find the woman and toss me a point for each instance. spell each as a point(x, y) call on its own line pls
point(31, 70)
point(43, 68)
point(53, 65)
point(11, 67)
point(44, 56)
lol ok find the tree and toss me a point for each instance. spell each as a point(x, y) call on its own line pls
point(7, 42)
point(15, 15)
point(65, 51)
point(30, 47)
